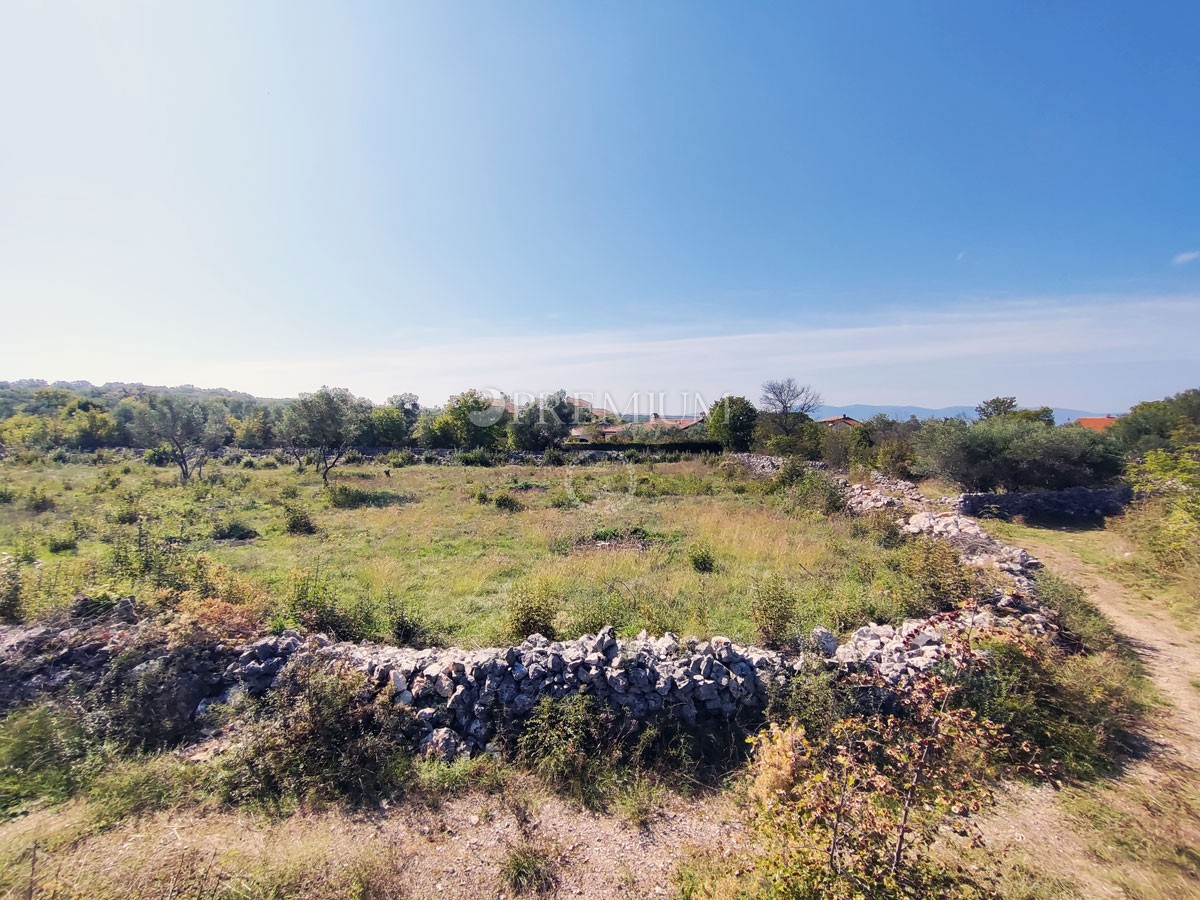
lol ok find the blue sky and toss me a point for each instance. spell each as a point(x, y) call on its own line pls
point(926, 203)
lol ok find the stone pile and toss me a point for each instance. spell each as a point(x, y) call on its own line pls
point(759, 464)
point(462, 696)
point(894, 652)
point(862, 499)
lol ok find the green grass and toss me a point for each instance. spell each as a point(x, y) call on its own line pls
point(420, 539)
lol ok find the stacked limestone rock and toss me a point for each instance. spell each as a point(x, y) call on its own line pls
point(461, 696)
point(759, 464)
point(862, 499)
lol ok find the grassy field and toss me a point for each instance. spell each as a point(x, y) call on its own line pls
point(678, 546)
point(482, 557)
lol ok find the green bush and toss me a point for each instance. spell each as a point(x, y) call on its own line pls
point(321, 736)
point(702, 558)
point(773, 609)
point(1014, 454)
point(158, 457)
point(62, 542)
point(39, 500)
point(507, 502)
point(297, 520)
point(564, 741)
point(405, 625)
point(1071, 715)
point(343, 496)
point(126, 511)
point(934, 578)
point(591, 614)
point(563, 500)
point(554, 457)
point(398, 459)
point(232, 530)
point(7, 494)
point(315, 606)
point(10, 589)
point(532, 606)
point(806, 488)
point(477, 457)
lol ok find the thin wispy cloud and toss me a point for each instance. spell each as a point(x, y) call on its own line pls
point(1182, 259)
point(1052, 351)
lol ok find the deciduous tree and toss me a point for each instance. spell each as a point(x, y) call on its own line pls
point(789, 404)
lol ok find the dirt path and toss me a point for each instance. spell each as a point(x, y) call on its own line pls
point(1171, 654)
point(1137, 835)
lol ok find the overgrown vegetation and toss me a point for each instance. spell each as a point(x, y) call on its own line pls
point(853, 784)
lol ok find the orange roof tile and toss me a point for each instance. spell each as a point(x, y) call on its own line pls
point(1096, 423)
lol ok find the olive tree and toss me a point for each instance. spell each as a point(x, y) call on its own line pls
point(325, 424)
point(186, 427)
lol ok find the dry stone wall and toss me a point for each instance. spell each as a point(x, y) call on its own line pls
point(460, 698)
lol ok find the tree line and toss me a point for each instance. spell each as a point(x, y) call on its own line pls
point(1005, 448)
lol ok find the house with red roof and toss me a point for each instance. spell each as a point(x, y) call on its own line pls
point(840, 423)
point(1096, 423)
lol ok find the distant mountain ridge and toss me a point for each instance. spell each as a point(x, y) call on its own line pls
point(864, 411)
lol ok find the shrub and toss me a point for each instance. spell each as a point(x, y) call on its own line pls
point(38, 500)
point(7, 494)
point(854, 812)
point(62, 542)
point(702, 558)
point(477, 457)
point(553, 457)
point(297, 520)
point(1071, 715)
point(934, 577)
point(322, 735)
point(563, 741)
point(808, 488)
point(10, 589)
point(1015, 454)
point(563, 500)
point(507, 502)
point(233, 530)
point(158, 457)
point(593, 613)
point(773, 609)
point(315, 606)
point(398, 459)
point(342, 496)
point(532, 606)
point(126, 511)
point(404, 624)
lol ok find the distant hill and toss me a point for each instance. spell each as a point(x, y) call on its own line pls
point(864, 411)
